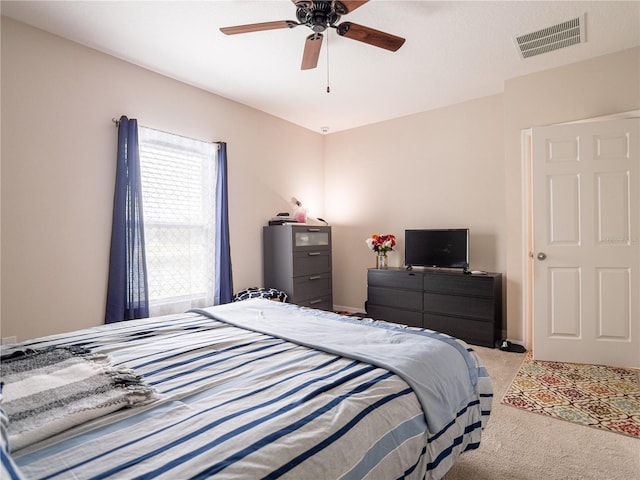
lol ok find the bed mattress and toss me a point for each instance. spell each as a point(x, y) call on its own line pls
point(255, 401)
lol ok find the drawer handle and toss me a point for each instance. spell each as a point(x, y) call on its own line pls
point(313, 254)
point(315, 277)
point(313, 302)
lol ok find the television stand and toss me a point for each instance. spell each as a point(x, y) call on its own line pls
point(465, 305)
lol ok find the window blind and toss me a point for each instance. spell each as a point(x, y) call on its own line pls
point(178, 177)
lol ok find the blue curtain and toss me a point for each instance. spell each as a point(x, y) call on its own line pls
point(127, 295)
point(224, 281)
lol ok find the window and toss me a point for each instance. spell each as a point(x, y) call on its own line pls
point(178, 177)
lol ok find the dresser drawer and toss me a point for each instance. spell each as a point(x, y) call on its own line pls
point(310, 286)
point(321, 303)
point(313, 261)
point(474, 307)
point(396, 315)
point(459, 284)
point(472, 331)
point(407, 299)
point(305, 238)
point(394, 279)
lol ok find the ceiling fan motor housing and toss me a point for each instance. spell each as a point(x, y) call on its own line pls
point(319, 15)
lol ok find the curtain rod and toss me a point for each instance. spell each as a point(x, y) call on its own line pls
point(116, 122)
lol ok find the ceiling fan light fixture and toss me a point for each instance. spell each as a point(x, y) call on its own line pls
point(319, 15)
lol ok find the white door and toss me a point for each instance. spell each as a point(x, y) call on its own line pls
point(586, 242)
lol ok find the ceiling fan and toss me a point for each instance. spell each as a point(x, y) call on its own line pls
point(319, 15)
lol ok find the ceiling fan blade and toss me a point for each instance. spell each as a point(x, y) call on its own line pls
point(257, 27)
point(370, 35)
point(351, 5)
point(311, 51)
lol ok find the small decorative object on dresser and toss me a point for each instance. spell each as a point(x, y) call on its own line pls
point(381, 244)
point(300, 213)
point(381, 260)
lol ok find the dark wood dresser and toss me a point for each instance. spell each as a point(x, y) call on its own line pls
point(466, 306)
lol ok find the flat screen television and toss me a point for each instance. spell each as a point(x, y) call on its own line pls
point(441, 248)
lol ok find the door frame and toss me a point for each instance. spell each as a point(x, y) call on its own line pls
point(526, 138)
point(527, 219)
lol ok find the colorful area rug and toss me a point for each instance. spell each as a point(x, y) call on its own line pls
point(594, 395)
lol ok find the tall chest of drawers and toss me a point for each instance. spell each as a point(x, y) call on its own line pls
point(297, 260)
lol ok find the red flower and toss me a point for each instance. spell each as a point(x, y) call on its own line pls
point(381, 243)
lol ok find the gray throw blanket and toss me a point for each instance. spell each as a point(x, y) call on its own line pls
point(51, 390)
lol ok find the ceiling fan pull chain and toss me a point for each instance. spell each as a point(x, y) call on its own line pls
point(328, 88)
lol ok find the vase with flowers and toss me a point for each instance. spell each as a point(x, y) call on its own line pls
point(381, 244)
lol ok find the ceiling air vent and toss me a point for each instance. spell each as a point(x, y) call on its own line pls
point(552, 38)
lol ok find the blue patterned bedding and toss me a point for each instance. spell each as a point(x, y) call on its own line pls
point(237, 403)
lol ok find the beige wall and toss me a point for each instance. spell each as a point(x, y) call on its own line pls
point(460, 166)
point(58, 169)
point(438, 169)
point(456, 166)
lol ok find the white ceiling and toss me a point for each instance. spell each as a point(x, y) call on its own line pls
point(454, 51)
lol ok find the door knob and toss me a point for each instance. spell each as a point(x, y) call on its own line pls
point(542, 256)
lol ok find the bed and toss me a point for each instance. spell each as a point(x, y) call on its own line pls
point(260, 389)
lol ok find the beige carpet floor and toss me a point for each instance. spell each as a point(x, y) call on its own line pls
point(520, 445)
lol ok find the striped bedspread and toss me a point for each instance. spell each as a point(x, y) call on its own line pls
point(236, 404)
